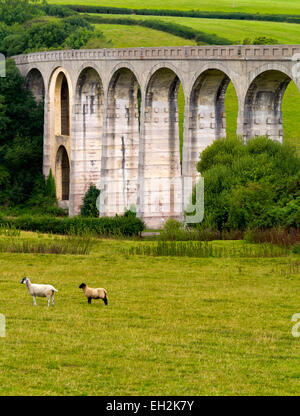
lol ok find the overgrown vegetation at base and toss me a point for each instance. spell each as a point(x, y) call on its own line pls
point(202, 249)
point(281, 237)
point(252, 185)
point(70, 244)
point(104, 226)
point(178, 231)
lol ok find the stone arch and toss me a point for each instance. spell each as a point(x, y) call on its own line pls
point(60, 90)
point(88, 131)
point(59, 126)
point(125, 65)
point(62, 174)
point(35, 84)
point(262, 104)
point(207, 119)
point(162, 168)
point(121, 154)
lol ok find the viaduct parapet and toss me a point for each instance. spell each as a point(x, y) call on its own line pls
point(111, 117)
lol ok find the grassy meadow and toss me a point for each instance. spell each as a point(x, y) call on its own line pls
point(173, 326)
point(137, 36)
point(254, 6)
point(233, 30)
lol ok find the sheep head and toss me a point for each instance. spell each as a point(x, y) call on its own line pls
point(24, 280)
point(82, 286)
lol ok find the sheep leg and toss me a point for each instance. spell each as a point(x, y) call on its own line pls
point(48, 297)
point(34, 300)
point(52, 297)
point(89, 300)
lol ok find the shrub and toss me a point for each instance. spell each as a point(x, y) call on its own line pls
point(89, 208)
point(252, 185)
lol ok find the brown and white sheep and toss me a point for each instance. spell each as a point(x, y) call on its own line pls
point(90, 293)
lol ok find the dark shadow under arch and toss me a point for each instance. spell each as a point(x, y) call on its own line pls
point(263, 105)
point(62, 174)
point(35, 84)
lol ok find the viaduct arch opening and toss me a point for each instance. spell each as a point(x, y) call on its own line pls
point(121, 158)
point(162, 185)
point(263, 105)
point(62, 106)
point(35, 84)
point(207, 115)
point(62, 174)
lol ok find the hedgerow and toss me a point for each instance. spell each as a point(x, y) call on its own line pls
point(187, 13)
point(104, 226)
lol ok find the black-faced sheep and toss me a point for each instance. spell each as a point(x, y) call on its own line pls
point(90, 293)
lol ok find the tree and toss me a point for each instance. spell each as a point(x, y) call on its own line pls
point(250, 185)
point(89, 208)
point(18, 11)
point(21, 136)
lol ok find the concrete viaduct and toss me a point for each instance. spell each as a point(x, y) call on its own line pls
point(111, 116)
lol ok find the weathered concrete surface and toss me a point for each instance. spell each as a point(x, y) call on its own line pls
point(114, 111)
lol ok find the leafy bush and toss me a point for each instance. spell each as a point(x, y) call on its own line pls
point(252, 185)
point(89, 208)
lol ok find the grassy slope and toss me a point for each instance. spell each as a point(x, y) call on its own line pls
point(251, 6)
point(172, 327)
point(234, 30)
point(139, 36)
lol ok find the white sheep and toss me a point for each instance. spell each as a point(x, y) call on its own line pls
point(43, 291)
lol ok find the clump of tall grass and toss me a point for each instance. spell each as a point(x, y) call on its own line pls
point(206, 249)
point(177, 231)
point(9, 230)
point(293, 267)
point(69, 244)
point(281, 237)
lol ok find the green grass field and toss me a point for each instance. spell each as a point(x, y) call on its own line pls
point(233, 30)
point(255, 6)
point(172, 326)
point(139, 36)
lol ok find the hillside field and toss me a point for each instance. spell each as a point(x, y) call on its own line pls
point(173, 326)
point(255, 6)
point(234, 30)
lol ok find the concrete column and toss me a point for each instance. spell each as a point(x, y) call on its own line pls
point(47, 140)
point(86, 143)
point(122, 143)
point(206, 118)
point(162, 184)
